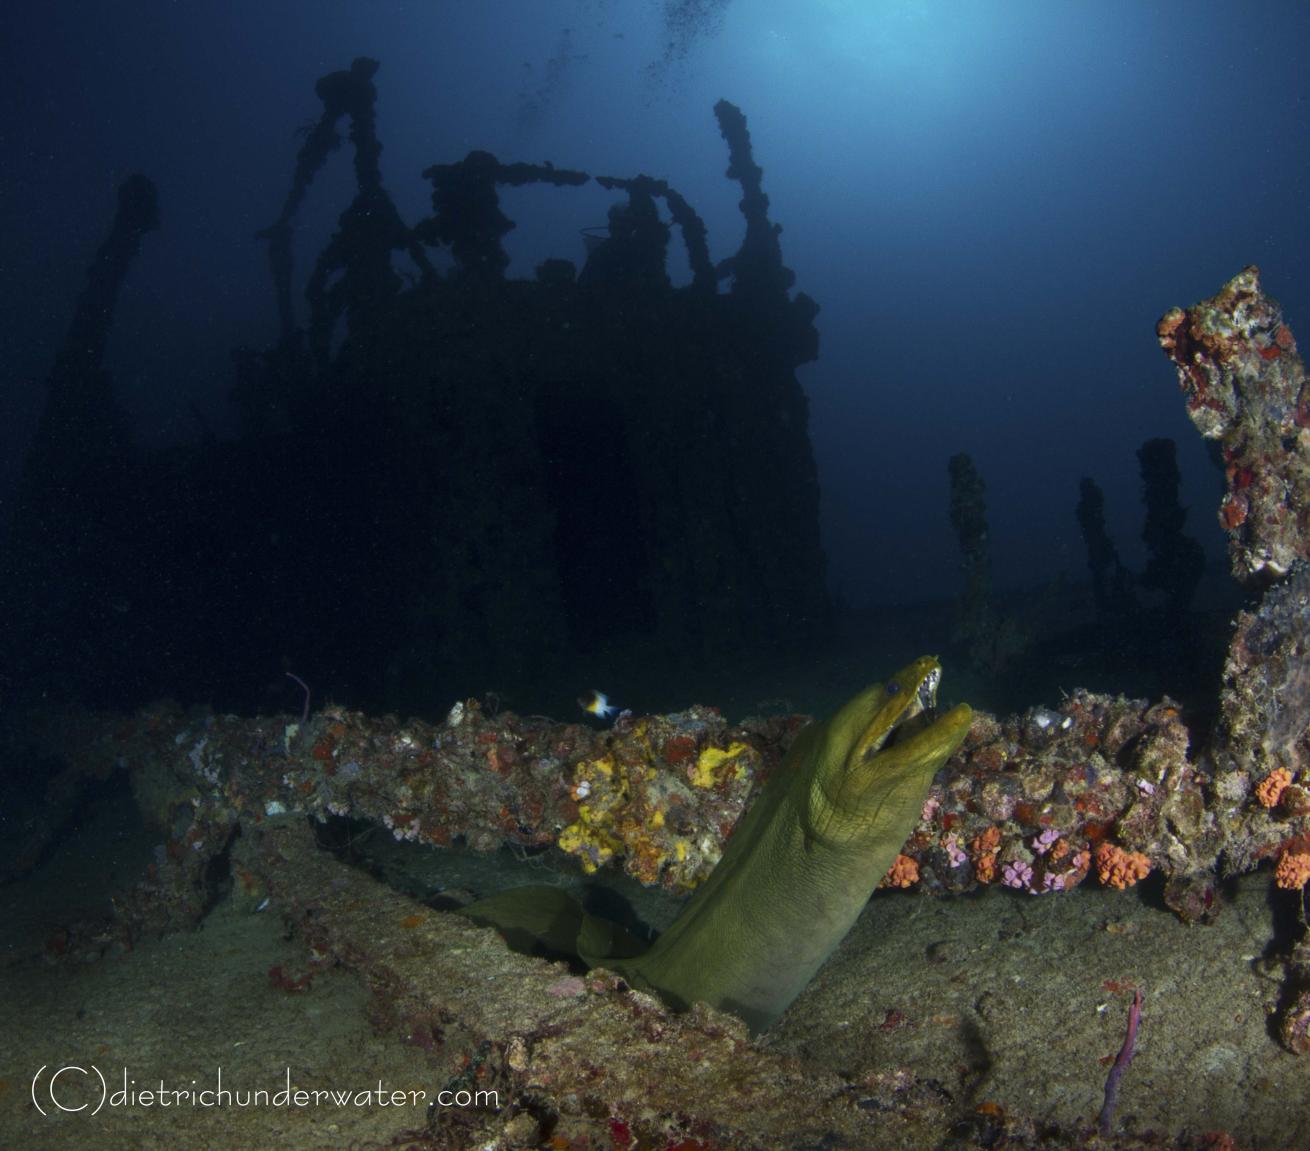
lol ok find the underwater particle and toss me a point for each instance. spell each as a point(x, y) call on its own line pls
point(1118, 868)
point(1293, 870)
point(904, 872)
point(1270, 789)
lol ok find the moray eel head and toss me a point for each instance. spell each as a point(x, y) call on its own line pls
point(796, 873)
point(878, 754)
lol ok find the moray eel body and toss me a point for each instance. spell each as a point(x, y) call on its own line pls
point(799, 868)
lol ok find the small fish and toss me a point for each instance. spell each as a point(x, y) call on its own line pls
point(597, 703)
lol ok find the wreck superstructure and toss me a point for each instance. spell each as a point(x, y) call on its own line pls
point(468, 478)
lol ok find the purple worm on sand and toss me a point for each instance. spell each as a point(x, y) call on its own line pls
point(1106, 1120)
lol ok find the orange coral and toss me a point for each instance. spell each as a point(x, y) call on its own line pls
point(903, 873)
point(1270, 789)
point(984, 848)
point(1293, 870)
point(1082, 862)
point(1116, 867)
point(1232, 512)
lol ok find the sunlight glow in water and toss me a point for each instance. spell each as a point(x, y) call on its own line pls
point(869, 51)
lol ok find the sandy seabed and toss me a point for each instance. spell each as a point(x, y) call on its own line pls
point(1002, 998)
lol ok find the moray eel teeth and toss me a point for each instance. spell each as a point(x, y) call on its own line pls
point(799, 867)
point(928, 689)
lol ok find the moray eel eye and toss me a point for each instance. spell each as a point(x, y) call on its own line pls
point(893, 687)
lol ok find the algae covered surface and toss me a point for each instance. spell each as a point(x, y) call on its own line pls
point(295, 624)
point(182, 1009)
point(932, 1013)
point(1022, 1002)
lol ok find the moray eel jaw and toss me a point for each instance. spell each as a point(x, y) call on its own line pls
point(879, 754)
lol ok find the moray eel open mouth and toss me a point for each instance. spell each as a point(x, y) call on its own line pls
point(799, 868)
point(920, 713)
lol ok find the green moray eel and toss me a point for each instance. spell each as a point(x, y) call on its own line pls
point(797, 871)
